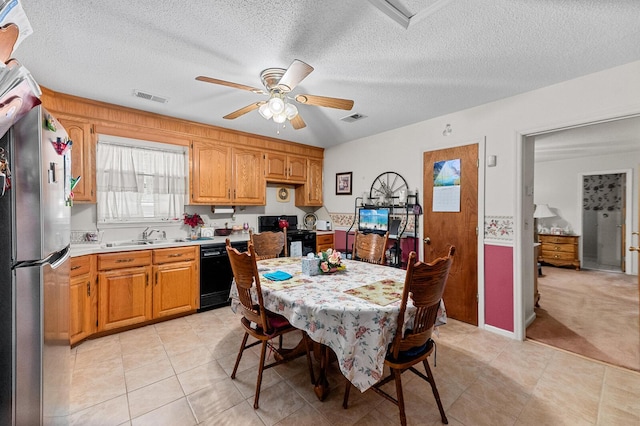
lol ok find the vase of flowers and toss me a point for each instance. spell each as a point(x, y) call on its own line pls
point(330, 261)
point(194, 221)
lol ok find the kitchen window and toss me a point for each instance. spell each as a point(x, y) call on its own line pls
point(139, 181)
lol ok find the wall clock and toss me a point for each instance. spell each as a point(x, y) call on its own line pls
point(282, 194)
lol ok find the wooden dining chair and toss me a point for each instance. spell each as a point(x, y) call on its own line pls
point(257, 321)
point(425, 282)
point(269, 244)
point(370, 247)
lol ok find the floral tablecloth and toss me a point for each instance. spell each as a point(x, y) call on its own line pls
point(327, 307)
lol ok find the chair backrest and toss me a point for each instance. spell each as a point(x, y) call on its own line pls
point(246, 276)
point(269, 244)
point(425, 282)
point(370, 247)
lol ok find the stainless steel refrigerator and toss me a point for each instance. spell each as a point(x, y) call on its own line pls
point(34, 272)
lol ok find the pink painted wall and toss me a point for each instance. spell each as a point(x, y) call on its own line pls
point(498, 286)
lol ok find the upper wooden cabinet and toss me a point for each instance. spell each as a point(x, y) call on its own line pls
point(83, 158)
point(310, 194)
point(285, 168)
point(222, 174)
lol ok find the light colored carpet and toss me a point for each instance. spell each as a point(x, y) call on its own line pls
point(591, 313)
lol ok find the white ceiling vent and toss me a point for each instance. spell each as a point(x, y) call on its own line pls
point(353, 117)
point(149, 96)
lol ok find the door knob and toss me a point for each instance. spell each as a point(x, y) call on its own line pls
point(634, 248)
point(427, 241)
point(635, 233)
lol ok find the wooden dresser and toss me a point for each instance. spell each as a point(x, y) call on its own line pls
point(559, 250)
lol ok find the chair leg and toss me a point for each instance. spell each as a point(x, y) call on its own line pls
point(242, 347)
point(397, 375)
point(263, 353)
point(345, 401)
point(309, 362)
point(436, 395)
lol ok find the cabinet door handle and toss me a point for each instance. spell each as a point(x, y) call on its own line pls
point(156, 278)
point(124, 260)
point(176, 255)
point(73, 268)
point(89, 288)
point(147, 283)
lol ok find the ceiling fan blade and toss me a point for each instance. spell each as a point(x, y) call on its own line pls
point(230, 84)
point(298, 122)
point(243, 111)
point(296, 72)
point(324, 101)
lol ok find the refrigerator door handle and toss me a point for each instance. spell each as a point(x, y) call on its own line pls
point(64, 255)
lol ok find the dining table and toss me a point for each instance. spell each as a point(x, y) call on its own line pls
point(353, 311)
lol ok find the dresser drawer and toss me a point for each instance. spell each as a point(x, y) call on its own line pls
point(558, 255)
point(566, 248)
point(558, 239)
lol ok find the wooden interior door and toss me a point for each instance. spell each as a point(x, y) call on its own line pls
point(460, 229)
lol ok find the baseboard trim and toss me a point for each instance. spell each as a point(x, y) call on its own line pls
point(529, 320)
point(501, 332)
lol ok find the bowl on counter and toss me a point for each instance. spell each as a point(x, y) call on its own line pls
point(223, 232)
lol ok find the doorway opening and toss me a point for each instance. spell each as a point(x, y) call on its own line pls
point(604, 206)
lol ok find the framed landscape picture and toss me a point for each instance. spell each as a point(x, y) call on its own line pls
point(343, 183)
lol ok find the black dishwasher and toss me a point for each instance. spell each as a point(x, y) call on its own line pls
point(216, 275)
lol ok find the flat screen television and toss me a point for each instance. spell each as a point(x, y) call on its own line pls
point(374, 220)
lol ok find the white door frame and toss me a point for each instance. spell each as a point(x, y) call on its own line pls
point(523, 277)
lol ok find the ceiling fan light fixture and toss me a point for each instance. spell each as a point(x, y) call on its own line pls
point(265, 111)
point(280, 118)
point(276, 104)
point(290, 111)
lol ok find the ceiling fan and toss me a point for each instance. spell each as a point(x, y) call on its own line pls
point(279, 82)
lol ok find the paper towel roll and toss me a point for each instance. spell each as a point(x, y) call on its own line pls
point(223, 210)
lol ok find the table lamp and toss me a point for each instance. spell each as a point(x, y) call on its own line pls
point(542, 211)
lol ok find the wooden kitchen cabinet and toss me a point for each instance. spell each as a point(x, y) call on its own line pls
point(176, 281)
point(559, 250)
point(310, 194)
point(226, 175)
point(125, 289)
point(324, 242)
point(82, 295)
point(285, 168)
point(83, 158)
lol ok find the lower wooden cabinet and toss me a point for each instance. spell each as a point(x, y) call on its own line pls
point(140, 286)
point(324, 242)
point(82, 298)
point(125, 290)
point(175, 288)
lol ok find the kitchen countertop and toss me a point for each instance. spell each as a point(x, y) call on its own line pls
point(84, 249)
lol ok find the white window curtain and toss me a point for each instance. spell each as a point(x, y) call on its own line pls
point(139, 183)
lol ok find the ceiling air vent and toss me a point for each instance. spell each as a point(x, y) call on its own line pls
point(149, 97)
point(353, 117)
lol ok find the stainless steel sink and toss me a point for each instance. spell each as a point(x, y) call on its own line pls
point(130, 243)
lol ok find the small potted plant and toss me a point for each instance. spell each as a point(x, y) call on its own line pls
point(194, 221)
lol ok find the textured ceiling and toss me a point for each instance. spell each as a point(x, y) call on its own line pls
point(459, 54)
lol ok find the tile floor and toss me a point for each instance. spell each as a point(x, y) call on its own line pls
point(177, 373)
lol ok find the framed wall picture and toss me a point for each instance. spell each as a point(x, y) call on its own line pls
point(343, 183)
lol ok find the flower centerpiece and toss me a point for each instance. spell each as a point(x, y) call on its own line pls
point(193, 220)
point(330, 261)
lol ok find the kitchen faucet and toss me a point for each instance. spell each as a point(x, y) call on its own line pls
point(146, 233)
